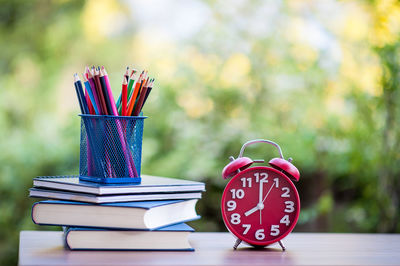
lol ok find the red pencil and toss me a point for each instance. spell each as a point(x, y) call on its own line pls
point(124, 96)
point(127, 74)
point(100, 91)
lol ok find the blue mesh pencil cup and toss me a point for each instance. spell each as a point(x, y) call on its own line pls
point(111, 148)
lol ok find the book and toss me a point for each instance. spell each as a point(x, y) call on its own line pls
point(171, 238)
point(149, 184)
point(92, 198)
point(142, 215)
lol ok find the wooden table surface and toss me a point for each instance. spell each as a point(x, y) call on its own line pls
point(46, 248)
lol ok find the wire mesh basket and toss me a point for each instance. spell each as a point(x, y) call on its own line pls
point(111, 149)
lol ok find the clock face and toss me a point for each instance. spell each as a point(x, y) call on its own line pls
point(260, 205)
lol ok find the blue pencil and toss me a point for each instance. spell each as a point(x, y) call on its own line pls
point(90, 92)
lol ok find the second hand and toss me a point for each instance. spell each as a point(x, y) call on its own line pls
point(265, 199)
point(268, 192)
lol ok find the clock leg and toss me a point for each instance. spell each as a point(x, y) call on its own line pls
point(237, 243)
point(282, 246)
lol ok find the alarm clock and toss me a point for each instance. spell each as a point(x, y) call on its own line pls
point(260, 205)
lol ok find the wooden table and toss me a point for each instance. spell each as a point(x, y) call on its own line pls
point(46, 248)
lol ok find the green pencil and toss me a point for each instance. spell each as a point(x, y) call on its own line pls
point(130, 85)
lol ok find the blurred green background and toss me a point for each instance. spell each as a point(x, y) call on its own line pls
point(321, 78)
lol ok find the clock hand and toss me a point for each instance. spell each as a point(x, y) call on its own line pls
point(251, 211)
point(260, 191)
point(260, 202)
point(268, 193)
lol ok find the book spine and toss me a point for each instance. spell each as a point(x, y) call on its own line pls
point(32, 210)
point(66, 233)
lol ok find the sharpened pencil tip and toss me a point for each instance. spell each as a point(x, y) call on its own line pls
point(76, 77)
point(134, 71)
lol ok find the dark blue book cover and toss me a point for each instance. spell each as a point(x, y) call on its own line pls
point(145, 215)
point(169, 238)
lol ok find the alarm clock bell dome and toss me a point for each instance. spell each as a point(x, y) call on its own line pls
point(235, 166)
point(286, 167)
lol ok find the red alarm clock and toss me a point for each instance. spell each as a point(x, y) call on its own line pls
point(260, 205)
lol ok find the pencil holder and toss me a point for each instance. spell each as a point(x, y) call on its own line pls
point(111, 149)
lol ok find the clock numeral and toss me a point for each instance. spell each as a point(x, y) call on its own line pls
point(289, 206)
point(235, 218)
point(276, 181)
point(237, 193)
point(231, 205)
point(244, 179)
point(274, 230)
point(247, 228)
point(285, 220)
point(259, 235)
point(263, 176)
point(285, 194)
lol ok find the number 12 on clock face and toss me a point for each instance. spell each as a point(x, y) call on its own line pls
point(260, 205)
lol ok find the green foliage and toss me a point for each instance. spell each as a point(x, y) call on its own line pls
point(242, 75)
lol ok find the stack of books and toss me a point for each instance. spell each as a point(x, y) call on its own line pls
point(146, 216)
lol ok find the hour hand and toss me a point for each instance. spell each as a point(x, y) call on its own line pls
point(259, 206)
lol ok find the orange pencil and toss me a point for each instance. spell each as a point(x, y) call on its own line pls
point(134, 95)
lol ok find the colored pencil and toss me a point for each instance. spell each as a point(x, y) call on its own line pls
point(124, 97)
point(119, 98)
point(91, 96)
point(99, 91)
point(131, 81)
point(127, 74)
point(109, 92)
point(90, 78)
point(140, 101)
point(147, 93)
point(81, 97)
point(141, 87)
point(105, 92)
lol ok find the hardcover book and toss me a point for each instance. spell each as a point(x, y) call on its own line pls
point(171, 238)
point(92, 198)
point(144, 215)
point(149, 184)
